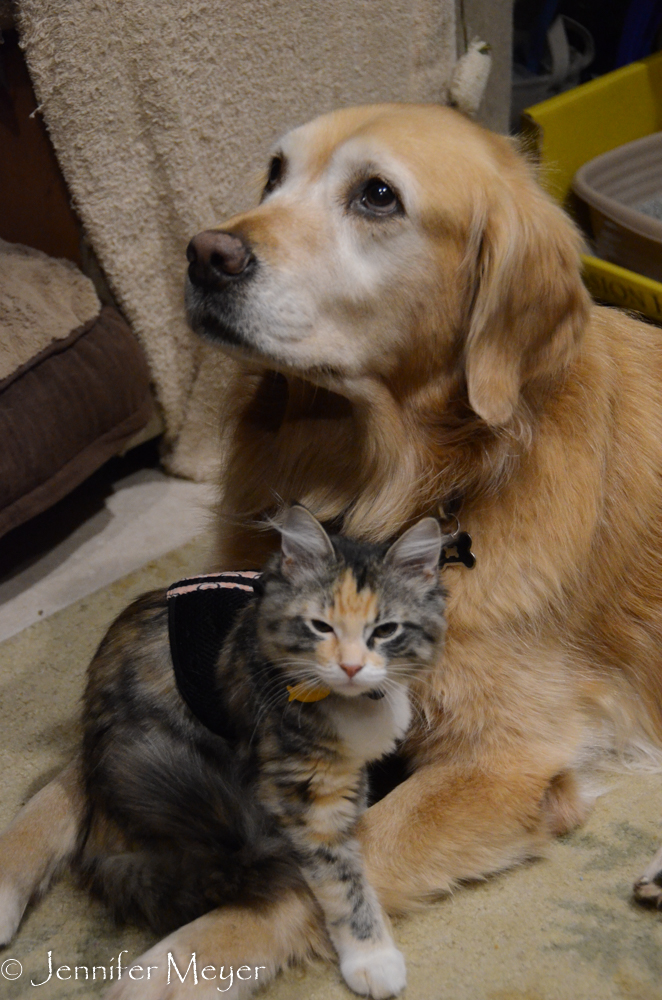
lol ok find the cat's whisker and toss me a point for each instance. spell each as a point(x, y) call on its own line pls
point(274, 691)
point(419, 709)
point(276, 659)
point(289, 659)
point(420, 668)
point(299, 714)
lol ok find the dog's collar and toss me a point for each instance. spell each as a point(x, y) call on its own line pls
point(456, 545)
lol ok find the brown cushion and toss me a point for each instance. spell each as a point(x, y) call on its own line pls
point(66, 412)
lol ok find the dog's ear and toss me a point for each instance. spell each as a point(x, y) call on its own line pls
point(529, 305)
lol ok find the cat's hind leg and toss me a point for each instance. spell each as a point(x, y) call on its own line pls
point(42, 837)
point(648, 888)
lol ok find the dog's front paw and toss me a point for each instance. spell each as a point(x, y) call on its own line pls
point(147, 978)
point(378, 973)
point(174, 970)
point(648, 888)
point(12, 905)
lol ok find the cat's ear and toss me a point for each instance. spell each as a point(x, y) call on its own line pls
point(418, 551)
point(303, 542)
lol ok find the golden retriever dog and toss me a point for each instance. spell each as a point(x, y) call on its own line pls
point(413, 334)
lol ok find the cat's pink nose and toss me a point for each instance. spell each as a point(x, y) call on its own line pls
point(351, 668)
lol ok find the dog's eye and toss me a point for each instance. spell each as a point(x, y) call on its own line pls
point(275, 174)
point(378, 198)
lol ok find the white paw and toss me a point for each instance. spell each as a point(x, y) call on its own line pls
point(11, 910)
point(378, 973)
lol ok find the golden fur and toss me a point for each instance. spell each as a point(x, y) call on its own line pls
point(451, 354)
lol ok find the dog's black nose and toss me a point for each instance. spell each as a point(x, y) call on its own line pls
point(216, 257)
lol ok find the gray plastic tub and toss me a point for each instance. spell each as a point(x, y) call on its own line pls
point(623, 192)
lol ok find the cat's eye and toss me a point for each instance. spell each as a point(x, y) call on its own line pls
point(385, 630)
point(320, 626)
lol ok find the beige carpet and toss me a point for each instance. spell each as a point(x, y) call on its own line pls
point(563, 928)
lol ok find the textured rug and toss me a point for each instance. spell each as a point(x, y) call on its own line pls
point(561, 928)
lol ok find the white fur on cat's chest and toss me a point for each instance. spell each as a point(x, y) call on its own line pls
point(367, 728)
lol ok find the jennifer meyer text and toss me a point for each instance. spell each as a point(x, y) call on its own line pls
point(187, 971)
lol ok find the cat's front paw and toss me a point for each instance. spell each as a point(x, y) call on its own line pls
point(378, 973)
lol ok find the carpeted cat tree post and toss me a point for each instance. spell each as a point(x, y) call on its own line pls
point(161, 112)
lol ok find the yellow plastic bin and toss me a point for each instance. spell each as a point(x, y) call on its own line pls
point(569, 130)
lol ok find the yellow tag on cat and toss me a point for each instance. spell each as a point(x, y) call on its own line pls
point(303, 692)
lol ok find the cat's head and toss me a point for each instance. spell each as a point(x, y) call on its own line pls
point(348, 616)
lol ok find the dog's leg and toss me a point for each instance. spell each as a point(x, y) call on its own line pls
point(648, 888)
point(236, 951)
point(41, 838)
point(448, 824)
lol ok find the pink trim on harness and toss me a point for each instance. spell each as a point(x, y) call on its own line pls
point(248, 573)
point(207, 583)
point(208, 586)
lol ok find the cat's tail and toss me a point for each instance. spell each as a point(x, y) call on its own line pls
point(41, 839)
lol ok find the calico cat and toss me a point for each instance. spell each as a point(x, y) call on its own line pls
point(313, 682)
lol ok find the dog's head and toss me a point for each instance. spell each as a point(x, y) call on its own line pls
point(390, 240)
